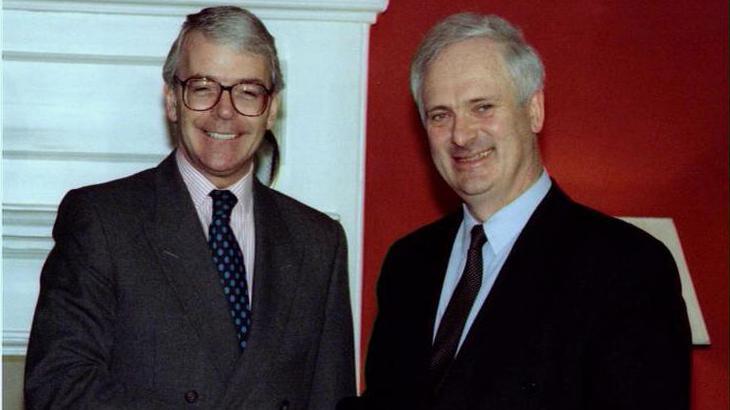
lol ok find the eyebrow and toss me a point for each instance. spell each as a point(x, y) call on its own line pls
point(490, 99)
point(238, 81)
point(438, 107)
point(483, 99)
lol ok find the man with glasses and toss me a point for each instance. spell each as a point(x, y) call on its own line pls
point(192, 284)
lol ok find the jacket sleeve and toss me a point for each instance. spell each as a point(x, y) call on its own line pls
point(334, 371)
point(396, 378)
point(639, 351)
point(68, 360)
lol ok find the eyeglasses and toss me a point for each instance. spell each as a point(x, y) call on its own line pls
point(201, 94)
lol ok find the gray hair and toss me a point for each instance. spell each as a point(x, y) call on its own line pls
point(232, 26)
point(523, 62)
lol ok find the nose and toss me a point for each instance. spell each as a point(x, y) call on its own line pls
point(462, 130)
point(224, 108)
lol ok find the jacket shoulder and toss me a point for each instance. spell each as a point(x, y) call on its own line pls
point(119, 206)
point(441, 228)
point(117, 191)
point(294, 207)
point(428, 239)
point(304, 221)
point(595, 226)
point(587, 242)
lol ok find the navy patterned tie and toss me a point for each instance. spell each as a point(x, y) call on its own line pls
point(228, 261)
point(454, 319)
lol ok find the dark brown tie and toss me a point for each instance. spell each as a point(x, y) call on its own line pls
point(452, 323)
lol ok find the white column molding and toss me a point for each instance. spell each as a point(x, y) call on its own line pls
point(364, 11)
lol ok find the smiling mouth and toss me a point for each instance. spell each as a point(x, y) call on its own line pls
point(220, 136)
point(474, 158)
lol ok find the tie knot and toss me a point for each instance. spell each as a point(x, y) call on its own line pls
point(478, 238)
point(223, 202)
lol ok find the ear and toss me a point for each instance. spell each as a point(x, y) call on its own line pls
point(536, 111)
point(273, 111)
point(170, 103)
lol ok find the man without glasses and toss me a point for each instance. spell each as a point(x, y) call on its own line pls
point(522, 299)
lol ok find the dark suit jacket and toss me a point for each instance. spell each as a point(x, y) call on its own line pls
point(131, 313)
point(586, 313)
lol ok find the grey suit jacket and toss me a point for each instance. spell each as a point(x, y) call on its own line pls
point(131, 313)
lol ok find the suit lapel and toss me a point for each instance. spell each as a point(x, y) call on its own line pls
point(430, 274)
point(409, 288)
point(435, 269)
point(276, 280)
point(179, 240)
point(511, 312)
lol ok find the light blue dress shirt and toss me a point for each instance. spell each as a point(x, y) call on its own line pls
point(502, 230)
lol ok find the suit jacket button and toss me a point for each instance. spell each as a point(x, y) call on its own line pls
point(284, 405)
point(529, 388)
point(191, 396)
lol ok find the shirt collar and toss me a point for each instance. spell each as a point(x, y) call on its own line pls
point(504, 225)
point(199, 186)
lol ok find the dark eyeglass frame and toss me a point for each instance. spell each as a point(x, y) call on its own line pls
point(222, 88)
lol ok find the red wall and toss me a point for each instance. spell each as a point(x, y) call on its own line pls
point(637, 125)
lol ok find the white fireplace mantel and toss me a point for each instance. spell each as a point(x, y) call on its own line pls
point(363, 11)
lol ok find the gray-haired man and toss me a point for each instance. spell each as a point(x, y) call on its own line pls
point(192, 284)
point(522, 299)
